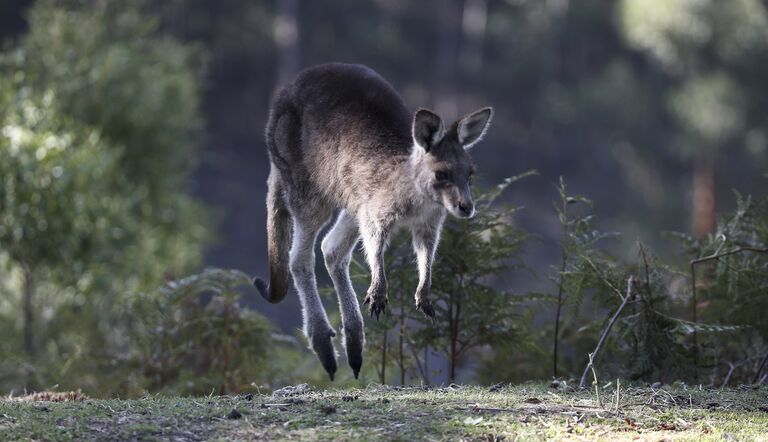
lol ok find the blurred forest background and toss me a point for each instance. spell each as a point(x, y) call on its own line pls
point(132, 156)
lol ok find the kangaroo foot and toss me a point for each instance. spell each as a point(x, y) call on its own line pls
point(322, 344)
point(354, 340)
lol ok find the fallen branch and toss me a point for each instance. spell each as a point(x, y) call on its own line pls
point(606, 331)
point(493, 410)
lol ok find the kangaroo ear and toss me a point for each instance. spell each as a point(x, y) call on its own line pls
point(428, 129)
point(471, 128)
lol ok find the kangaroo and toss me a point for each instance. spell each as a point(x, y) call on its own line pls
point(340, 137)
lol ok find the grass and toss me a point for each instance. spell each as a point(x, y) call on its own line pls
point(524, 412)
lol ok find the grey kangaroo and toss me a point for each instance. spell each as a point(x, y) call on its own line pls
point(340, 137)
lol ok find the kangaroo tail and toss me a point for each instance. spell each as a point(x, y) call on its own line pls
point(279, 225)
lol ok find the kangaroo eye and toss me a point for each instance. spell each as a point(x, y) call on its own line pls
point(441, 176)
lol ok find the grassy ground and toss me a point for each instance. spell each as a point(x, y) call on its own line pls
point(526, 412)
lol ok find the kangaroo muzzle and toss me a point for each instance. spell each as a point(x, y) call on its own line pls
point(461, 204)
point(466, 209)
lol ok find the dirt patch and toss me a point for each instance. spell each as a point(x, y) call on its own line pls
point(143, 426)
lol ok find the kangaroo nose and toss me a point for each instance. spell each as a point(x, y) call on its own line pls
point(467, 209)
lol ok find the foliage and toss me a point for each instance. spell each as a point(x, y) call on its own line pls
point(731, 277)
point(711, 49)
point(113, 70)
point(584, 269)
point(193, 337)
point(59, 238)
point(49, 167)
point(732, 287)
point(83, 93)
point(653, 338)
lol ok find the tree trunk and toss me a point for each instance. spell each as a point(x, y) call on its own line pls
point(452, 374)
point(28, 305)
point(402, 348)
point(454, 342)
point(557, 332)
point(447, 52)
point(383, 373)
point(286, 34)
point(703, 221)
point(560, 294)
point(474, 22)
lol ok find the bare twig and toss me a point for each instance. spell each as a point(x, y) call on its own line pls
point(563, 265)
point(760, 369)
point(419, 367)
point(644, 255)
point(731, 367)
point(713, 257)
point(603, 277)
point(559, 304)
point(495, 410)
point(594, 381)
point(606, 331)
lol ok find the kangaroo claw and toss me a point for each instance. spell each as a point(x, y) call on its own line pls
point(425, 307)
point(377, 305)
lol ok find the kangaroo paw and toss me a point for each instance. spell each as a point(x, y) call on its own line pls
point(322, 345)
point(425, 306)
point(378, 305)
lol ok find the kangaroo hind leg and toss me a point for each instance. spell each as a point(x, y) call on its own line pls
point(337, 248)
point(316, 328)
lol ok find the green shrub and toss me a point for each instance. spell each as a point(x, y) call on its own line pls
point(97, 115)
point(193, 337)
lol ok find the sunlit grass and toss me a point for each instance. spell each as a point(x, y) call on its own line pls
point(527, 412)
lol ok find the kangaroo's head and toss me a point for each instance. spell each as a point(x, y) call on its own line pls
point(443, 166)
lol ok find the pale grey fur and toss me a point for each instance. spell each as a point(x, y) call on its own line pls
point(340, 138)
